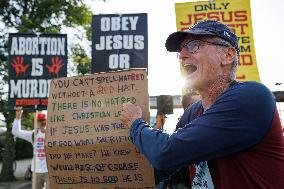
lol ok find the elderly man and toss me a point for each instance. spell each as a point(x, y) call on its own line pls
point(234, 130)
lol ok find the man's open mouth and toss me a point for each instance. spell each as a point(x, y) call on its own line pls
point(190, 68)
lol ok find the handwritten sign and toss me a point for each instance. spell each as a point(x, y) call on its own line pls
point(87, 146)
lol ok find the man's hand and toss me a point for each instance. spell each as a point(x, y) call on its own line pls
point(19, 112)
point(130, 113)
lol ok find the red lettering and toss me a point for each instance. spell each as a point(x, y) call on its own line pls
point(245, 60)
point(44, 102)
point(31, 102)
point(229, 16)
point(185, 28)
point(189, 23)
point(213, 16)
point(226, 17)
point(27, 102)
point(40, 139)
point(198, 17)
point(137, 76)
point(105, 89)
point(241, 77)
point(241, 16)
point(242, 28)
point(132, 76)
point(235, 28)
point(40, 150)
point(41, 155)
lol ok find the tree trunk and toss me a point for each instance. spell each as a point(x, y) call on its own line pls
point(8, 155)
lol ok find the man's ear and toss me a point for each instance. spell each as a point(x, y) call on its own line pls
point(229, 56)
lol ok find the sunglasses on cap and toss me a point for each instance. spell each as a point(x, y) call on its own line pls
point(193, 46)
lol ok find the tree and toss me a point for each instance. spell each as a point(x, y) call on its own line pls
point(36, 16)
point(82, 60)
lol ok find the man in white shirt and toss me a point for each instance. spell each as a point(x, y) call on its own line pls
point(39, 166)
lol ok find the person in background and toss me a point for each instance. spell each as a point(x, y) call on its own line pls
point(40, 169)
point(234, 131)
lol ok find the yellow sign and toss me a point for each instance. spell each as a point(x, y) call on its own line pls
point(234, 13)
point(86, 144)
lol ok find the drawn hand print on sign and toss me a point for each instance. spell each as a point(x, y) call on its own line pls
point(18, 65)
point(56, 65)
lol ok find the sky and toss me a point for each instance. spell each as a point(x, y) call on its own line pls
point(164, 75)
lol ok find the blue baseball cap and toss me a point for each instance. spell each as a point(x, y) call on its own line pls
point(206, 28)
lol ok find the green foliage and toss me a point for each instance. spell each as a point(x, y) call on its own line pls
point(82, 61)
point(23, 149)
point(9, 153)
point(44, 15)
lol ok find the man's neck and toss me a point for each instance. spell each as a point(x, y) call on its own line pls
point(214, 90)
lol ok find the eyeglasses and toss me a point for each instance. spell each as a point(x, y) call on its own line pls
point(193, 46)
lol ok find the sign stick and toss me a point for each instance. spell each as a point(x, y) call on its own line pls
point(34, 156)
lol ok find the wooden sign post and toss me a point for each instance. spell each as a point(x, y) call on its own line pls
point(87, 146)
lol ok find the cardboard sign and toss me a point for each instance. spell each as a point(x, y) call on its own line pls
point(33, 61)
point(119, 41)
point(87, 146)
point(234, 13)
